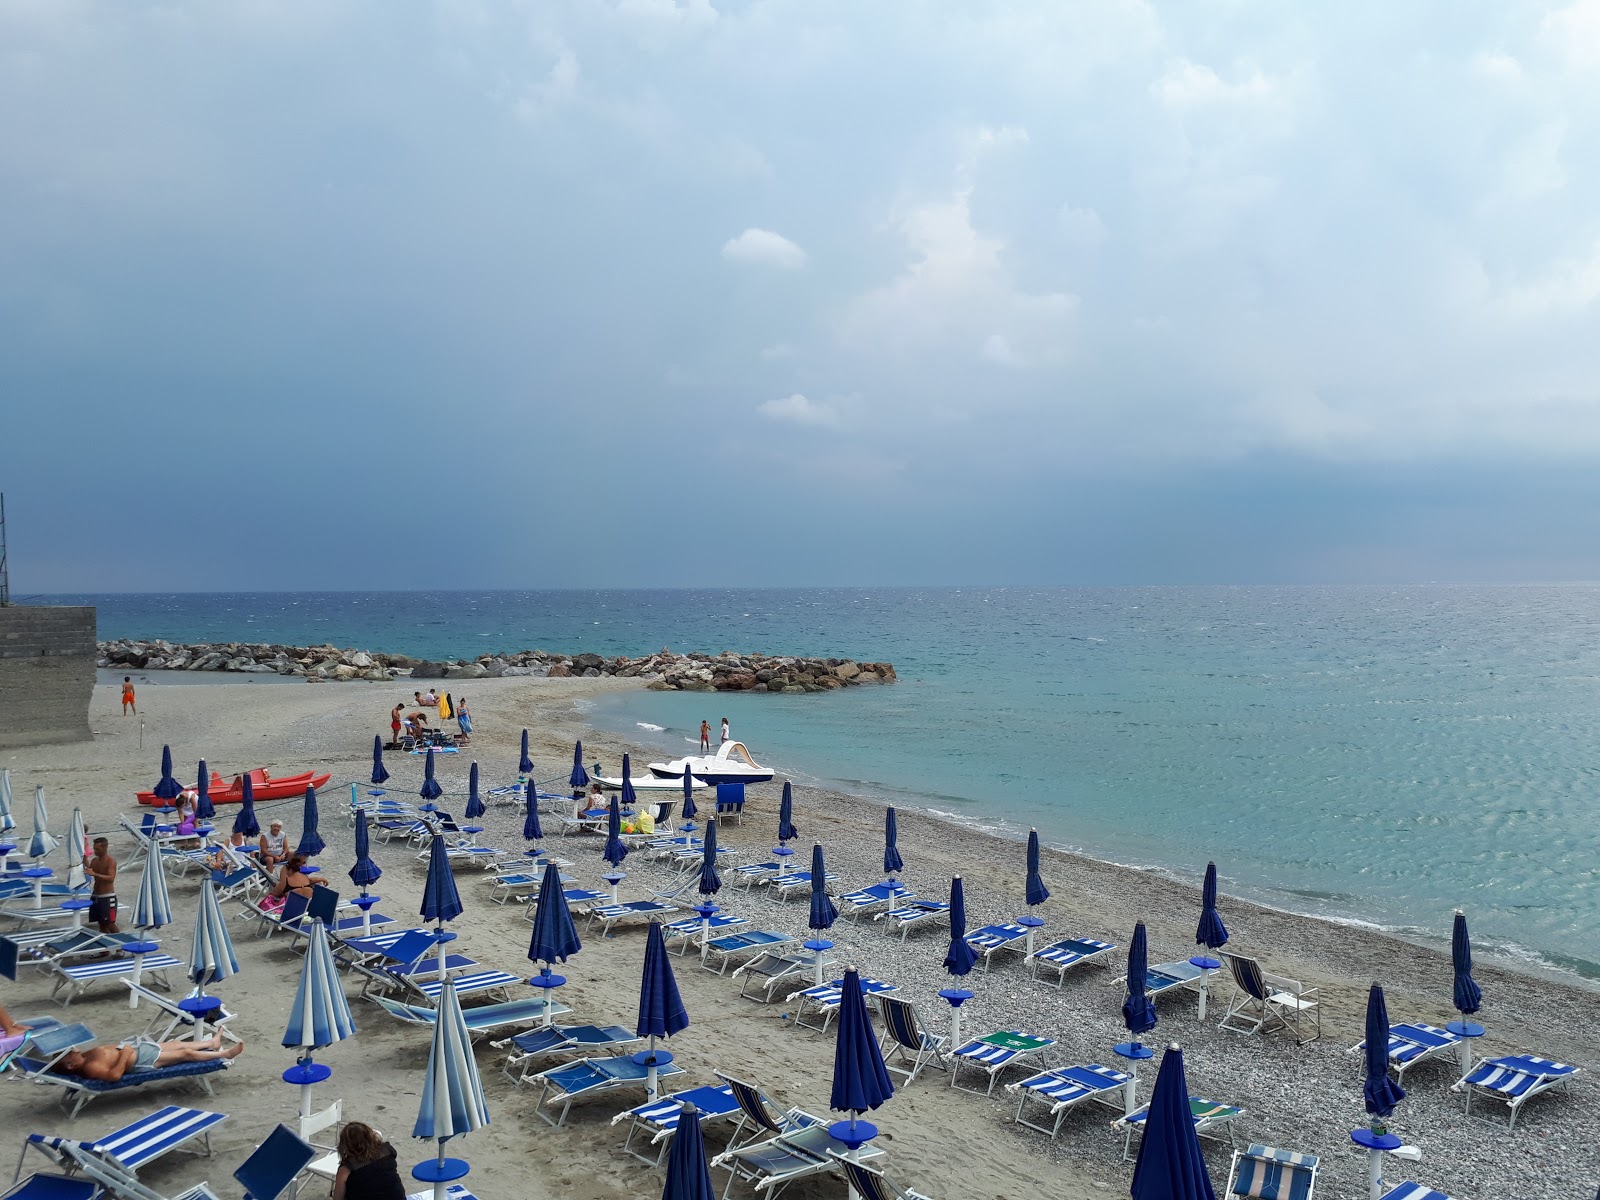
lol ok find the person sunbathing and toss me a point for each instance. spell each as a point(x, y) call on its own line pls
point(108, 1064)
point(11, 1034)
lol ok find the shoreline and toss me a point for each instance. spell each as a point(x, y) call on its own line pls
point(940, 1142)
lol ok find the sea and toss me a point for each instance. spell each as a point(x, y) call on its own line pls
point(1380, 755)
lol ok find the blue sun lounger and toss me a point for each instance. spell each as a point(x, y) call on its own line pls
point(40, 1053)
point(823, 1001)
point(73, 979)
point(1513, 1078)
point(560, 1039)
point(796, 883)
point(1264, 1173)
point(993, 1053)
point(1413, 1043)
point(588, 1077)
point(919, 914)
point(609, 915)
point(989, 940)
point(793, 1145)
point(1063, 1089)
point(1208, 1116)
point(481, 1018)
point(732, 947)
point(45, 947)
point(1413, 1191)
point(579, 901)
point(750, 874)
point(905, 1037)
point(768, 969)
point(873, 897)
point(872, 1184)
point(659, 1118)
point(136, 1144)
point(1062, 956)
point(687, 931)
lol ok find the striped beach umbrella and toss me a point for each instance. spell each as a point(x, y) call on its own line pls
point(41, 843)
point(366, 872)
point(430, 786)
point(320, 1015)
point(1037, 892)
point(167, 788)
point(7, 821)
point(203, 807)
point(153, 907)
point(244, 821)
point(524, 764)
point(76, 851)
point(211, 956)
point(475, 806)
point(453, 1101)
point(380, 773)
point(311, 843)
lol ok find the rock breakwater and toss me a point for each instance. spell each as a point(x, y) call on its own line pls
point(662, 671)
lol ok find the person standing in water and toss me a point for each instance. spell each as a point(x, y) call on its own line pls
point(705, 737)
point(724, 729)
point(128, 704)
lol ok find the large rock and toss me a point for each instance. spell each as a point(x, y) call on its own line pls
point(559, 671)
point(470, 670)
point(586, 661)
point(427, 670)
point(846, 670)
point(361, 660)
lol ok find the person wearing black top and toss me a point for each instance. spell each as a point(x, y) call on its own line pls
point(367, 1168)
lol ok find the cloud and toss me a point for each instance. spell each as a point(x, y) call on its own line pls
point(763, 248)
point(1574, 32)
point(777, 351)
point(1081, 227)
point(1190, 85)
point(797, 410)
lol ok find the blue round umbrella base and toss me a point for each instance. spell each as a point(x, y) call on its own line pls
point(1466, 1029)
point(706, 910)
point(37, 873)
point(1137, 1051)
point(818, 945)
point(853, 1134)
point(1368, 1140)
point(197, 1006)
point(441, 1170)
point(307, 1073)
point(76, 905)
point(660, 1057)
point(365, 901)
point(956, 996)
point(1205, 962)
point(141, 947)
point(547, 981)
point(1030, 922)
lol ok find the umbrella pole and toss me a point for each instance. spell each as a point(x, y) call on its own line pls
point(1374, 1174)
point(650, 1085)
point(440, 1186)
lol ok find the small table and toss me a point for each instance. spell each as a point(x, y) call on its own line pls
point(364, 902)
point(1135, 1053)
point(138, 950)
point(38, 875)
point(955, 998)
point(1207, 964)
point(1374, 1144)
point(304, 1075)
point(1030, 923)
point(818, 947)
point(1468, 1032)
point(615, 878)
point(200, 1007)
point(651, 1060)
point(77, 906)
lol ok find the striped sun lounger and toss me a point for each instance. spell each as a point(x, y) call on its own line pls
point(750, 874)
point(993, 1053)
point(591, 1076)
point(1208, 1116)
point(659, 1118)
point(1263, 1173)
point(38, 1056)
point(1062, 956)
point(1413, 1191)
point(480, 1019)
point(686, 931)
point(919, 914)
point(796, 883)
point(560, 1039)
point(1063, 1089)
point(1513, 1078)
point(610, 915)
point(469, 983)
point(723, 951)
point(579, 901)
point(139, 1143)
point(73, 979)
point(823, 1001)
point(873, 897)
point(991, 939)
point(1413, 1043)
point(766, 970)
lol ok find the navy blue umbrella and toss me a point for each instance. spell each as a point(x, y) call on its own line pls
point(1379, 1091)
point(366, 872)
point(430, 786)
point(689, 809)
point(579, 777)
point(311, 843)
point(380, 773)
point(555, 937)
point(1212, 933)
point(629, 799)
point(203, 808)
point(475, 806)
point(1468, 995)
point(524, 764)
point(167, 788)
point(661, 1011)
point(786, 829)
point(688, 1173)
point(1037, 892)
point(530, 823)
point(860, 1080)
point(1138, 1010)
point(244, 821)
point(710, 881)
point(892, 861)
point(823, 912)
point(961, 957)
point(440, 900)
point(1170, 1166)
point(615, 850)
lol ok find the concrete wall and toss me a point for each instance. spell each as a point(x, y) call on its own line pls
point(46, 674)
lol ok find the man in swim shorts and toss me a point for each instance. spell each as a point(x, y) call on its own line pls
point(127, 696)
point(102, 868)
point(705, 737)
point(108, 1064)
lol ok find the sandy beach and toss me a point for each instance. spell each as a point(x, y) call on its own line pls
point(948, 1145)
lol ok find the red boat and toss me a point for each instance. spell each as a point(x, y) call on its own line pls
point(264, 786)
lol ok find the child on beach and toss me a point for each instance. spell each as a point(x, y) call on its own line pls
point(127, 697)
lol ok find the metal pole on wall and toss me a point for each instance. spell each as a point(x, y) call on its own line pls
point(5, 572)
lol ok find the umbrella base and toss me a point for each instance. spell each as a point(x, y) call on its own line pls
point(436, 1170)
point(853, 1134)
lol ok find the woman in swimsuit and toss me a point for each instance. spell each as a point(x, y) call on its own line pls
point(294, 878)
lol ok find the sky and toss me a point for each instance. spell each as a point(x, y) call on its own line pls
point(355, 294)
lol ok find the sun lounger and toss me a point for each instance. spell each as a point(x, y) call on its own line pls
point(1063, 1089)
point(579, 901)
point(873, 897)
point(1263, 1002)
point(480, 1019)
point(1414, 1043)
point(1263, 1173)
point(589, 1077)
point(1171, 976)
point(871, 1184)
point(1413, 1191)
point(241, 883)
point(42, 1051)
point(659, 1118)
point(687, 931)
point(1208, 1115)
point(919, 914)
point(822, 1002)
point(750, 874)
point(1513, 1078)
point(74, 978)
point(42, 1185)
point(758, 1118)
point(796, 883)
point(168, 1018)
point(1062, 956)
point(771, 1165)
point(136, 1144)
point(100, 1176)
point(610, 915)
point(487, 982)
point(43, 947)
point(905, 1037)
point(560, 1039)
point(993, 1053)
point(991, 939)
point(766, 970)
point(720, 952)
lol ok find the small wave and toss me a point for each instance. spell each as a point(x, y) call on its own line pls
point(647, 725)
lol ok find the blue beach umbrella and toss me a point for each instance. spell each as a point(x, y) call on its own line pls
point(710, 882)
point(1138, 1010)
point(524, 763)
point(203, 807)
point(615, 851)
point(311, 843)
point(1170, 1165)
point(152, 908)
point(244, 821)
point(689, 809)
point(688, 1173)
point(430, 786)
point(211, 955)
point(1037, 892)
point(555, 937)
point(861, 1082)
point(786, 830)
point(629, 799)
point(380, 773)
point(661, 1010)
point(892, 861)
point(579, 777)
point(530, 823)
point(1379, 1092)
point(960, 958)
point(1468, 995)
point(320, 1015)
point(7, 821)
point(475, 806)
point(77, 851)
point(453, 1102)
point(167, 788)
point(823, 911)
point(1212, 933)
point(440, 900)
point(366, 872)
point(43, 842)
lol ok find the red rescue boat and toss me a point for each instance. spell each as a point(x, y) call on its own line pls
point(265, 787)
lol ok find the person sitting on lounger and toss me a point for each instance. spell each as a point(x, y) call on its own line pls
point(294, 878)
point(274, 845)
point(230, 853)
point(11, 1034)
point(367, 1168)
point(108, 1064)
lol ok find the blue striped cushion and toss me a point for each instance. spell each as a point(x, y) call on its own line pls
point(1265, 1173)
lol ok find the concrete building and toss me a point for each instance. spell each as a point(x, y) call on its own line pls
point(47, 676)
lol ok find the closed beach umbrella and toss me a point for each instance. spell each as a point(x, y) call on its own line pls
point(167, 788)
point(366, 872)
point(440, 900)
point(960, 958)
point(579, 777)
point(524, 764)
point(629, 799)
point(211, 956)
point(380, 773)
point(530, 822)
point(1468, 995)
point(453, 1102)
point(1379, 1092)
point(661, 1010)
point(688, 1173)
point(430, 786)
point(710, 881)
point(1138, 1010)
point(76, 850)
point(7, 821)
point(892, 861)
point(861, 1082)
point(152, 908)
point(475, 806)
point(1212, 933)
point(823, 911)
point(786, 830)
point(320, 1015)
point(244, 821)
point(1170, 1165)
point(203, 807)
point(42, 842)
point(615, 851)
point(555, 937)
point(689, 809)
point(311, 843)
point(1037, 892)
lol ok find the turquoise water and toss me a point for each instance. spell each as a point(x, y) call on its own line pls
point(1374, 753)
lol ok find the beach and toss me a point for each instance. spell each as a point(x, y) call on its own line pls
point(945, 1144)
